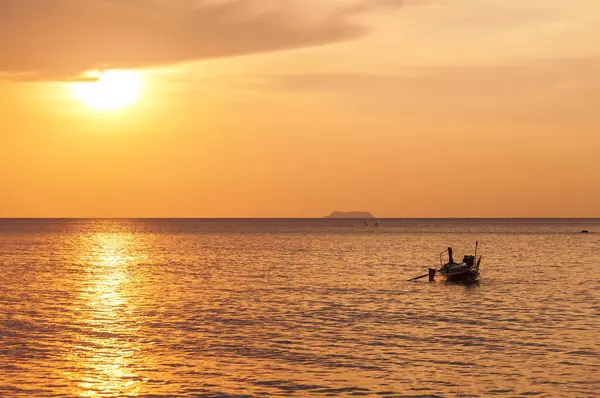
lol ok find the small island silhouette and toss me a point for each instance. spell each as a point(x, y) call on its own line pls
point(350, 214)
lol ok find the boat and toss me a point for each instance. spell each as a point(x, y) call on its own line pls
point(467, 271)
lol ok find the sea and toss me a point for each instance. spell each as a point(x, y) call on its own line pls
point(297, 308)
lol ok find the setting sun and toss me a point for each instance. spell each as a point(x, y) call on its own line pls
point(109, 90)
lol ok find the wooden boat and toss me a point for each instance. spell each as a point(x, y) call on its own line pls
point(467, 271)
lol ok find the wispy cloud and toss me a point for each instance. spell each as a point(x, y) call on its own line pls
point(542, 91)
point(63, 38)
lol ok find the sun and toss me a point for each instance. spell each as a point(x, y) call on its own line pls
point(109, 90)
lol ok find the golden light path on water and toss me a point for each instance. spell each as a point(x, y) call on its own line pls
point(105, 354)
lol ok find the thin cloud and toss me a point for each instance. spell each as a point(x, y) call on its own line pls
point(551, 90)
point(56, 39)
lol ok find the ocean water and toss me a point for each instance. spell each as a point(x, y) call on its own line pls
point(251, 308)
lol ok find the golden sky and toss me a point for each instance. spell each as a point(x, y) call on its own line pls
point(296, 108)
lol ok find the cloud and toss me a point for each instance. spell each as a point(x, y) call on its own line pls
point(63, 38)
point(551, 90)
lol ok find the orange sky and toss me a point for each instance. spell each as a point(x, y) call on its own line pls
point(265, 108)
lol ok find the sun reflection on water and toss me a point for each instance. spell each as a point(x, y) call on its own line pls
point(106, 351)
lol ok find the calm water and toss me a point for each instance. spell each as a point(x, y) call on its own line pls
point(297, 308)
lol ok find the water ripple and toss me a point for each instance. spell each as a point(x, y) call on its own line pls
point(246, 308)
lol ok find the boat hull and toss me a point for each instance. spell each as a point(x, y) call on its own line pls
point(467, 277)
point(460, 273)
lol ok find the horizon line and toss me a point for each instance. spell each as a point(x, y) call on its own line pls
point(302, 218)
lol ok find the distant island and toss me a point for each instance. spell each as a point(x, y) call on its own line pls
point(350, 214)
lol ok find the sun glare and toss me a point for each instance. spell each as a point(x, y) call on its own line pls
point(109, 90)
